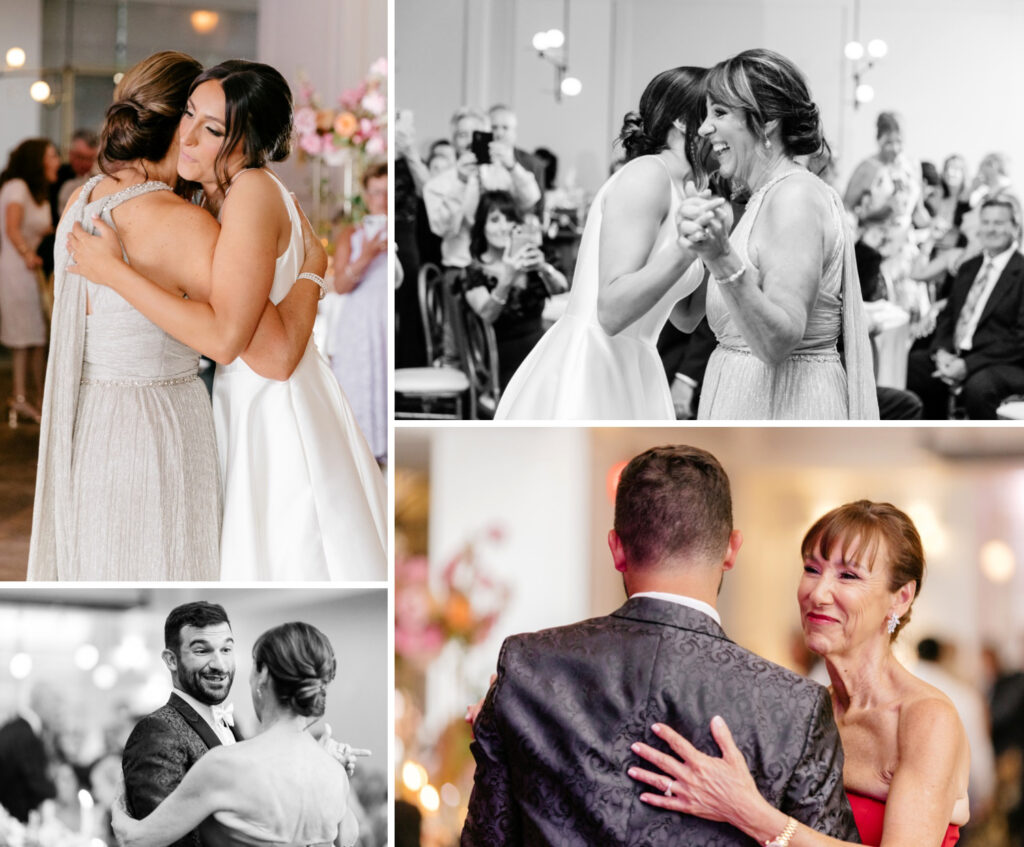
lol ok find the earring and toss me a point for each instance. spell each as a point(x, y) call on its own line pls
point(767, 144)
point(892, 622)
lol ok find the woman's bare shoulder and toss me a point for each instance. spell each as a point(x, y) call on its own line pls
point(925, 712)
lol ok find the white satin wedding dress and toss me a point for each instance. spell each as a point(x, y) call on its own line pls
point(304, 498)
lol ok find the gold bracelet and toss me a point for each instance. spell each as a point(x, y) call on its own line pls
point(783, 838)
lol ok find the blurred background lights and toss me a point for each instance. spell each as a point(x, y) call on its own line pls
point(997, 561)
point(21, 665)
point(86, 657)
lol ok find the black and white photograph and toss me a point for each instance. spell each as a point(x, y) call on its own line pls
point(193, 716)
point(193, 292)
point(735, 210)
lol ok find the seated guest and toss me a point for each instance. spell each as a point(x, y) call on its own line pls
point(978, 346)
point(451, 197)
point(507, 284)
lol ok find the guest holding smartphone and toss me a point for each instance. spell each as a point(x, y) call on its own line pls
point(509, 281)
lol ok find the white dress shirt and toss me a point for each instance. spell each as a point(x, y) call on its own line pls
point(999, 262)
point(206, 713)
point(682, 600)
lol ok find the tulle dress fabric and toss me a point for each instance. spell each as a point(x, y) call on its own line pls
point(579, 372)
point(21, 316)
point(303, 496)
point(358, 347)
point(869, 815)
point(814, 382)
point(127, 485)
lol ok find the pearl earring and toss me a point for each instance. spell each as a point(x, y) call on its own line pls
point(892, 622)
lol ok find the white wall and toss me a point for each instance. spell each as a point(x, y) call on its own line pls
point(953, 69)
point(534, 484)
point(20, 26)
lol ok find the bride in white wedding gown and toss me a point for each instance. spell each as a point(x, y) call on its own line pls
point(303, 496)
point(599, 361)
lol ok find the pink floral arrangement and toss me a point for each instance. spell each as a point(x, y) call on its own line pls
point(357, 124)
point(464, 607)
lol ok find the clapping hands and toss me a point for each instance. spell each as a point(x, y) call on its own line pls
point(704, 222)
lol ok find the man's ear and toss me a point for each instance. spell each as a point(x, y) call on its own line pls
point(170, 659)
point(618, 552)
point(732, 550)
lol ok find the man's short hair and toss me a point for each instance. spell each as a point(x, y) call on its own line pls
point(198, 614)
point(673, 501)
point(500, 107)
point(1003, 202)
point(469, 112)
point(90, 138)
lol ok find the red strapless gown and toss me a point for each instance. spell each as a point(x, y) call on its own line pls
point(869, 815)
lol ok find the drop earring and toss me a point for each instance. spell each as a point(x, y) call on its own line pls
point(892, 622)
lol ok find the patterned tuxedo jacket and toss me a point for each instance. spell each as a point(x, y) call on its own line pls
point(160, 750)
point(552, 743)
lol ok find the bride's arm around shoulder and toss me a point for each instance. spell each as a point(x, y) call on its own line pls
point(929, 787)
point(211, 785)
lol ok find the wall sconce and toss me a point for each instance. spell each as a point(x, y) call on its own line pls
point(14, 65)
point(204, 21)
point(863, 61)
point(551, 45)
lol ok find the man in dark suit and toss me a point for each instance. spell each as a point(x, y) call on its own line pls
point(552, 741)
point(199, 652)
point(24, 780)
point(978, 346)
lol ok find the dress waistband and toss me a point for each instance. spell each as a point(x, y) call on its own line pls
point(803, 356)
point(141, 383)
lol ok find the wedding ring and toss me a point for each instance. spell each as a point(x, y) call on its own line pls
point(668, 789)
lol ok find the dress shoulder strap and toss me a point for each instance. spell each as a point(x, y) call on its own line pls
point(671, 181)
point(112, 201)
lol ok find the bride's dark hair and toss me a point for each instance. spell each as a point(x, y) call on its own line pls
point(676, 94)
point(300, 661)
point(257, 113)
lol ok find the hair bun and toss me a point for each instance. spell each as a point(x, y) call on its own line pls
point(634, 138)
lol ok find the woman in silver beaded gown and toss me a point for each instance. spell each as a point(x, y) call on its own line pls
point(127, 482)
point(784, 288)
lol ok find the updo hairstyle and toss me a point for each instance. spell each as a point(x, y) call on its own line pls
point(675, 94)
point(882, 531)
point(767, 87)
point(257, 113)
point(143, 119)
point(301, 663)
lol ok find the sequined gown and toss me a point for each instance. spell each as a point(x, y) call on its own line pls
point(127, 485)
point(814, 382)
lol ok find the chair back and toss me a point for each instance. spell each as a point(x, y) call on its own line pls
point(430, 284)
point(478, 356)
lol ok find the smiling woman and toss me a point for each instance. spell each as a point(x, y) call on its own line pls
point(906, 752)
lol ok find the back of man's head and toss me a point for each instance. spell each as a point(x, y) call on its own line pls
point(199, 614)
point(673, 503)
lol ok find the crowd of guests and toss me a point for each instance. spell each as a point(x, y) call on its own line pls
point(486, 212)
point(34, 186)
point(937, 255)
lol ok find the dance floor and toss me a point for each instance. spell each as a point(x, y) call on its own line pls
point(18, 449)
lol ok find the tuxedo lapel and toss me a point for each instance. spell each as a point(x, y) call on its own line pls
point(1008, 282)
point(199, 726)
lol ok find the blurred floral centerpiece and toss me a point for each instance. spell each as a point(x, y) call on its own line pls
point(345, 136)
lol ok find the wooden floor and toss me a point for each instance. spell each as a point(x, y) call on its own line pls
point(18, 449)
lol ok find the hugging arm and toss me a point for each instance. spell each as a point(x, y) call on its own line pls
point(205, 789)
point(631, 281)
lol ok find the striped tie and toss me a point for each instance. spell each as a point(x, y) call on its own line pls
point(963, 322)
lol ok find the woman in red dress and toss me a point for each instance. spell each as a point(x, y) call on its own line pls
point(906, 751)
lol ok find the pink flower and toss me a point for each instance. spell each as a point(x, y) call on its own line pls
point(376, 146)
point(351, 96)
point(374, 103)
point(310, 143)
point(305, 120)
point(380, 67)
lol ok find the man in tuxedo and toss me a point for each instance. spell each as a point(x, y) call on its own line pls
point(978, 346)
point(199, 653)
point(552, 740)
point(24, 779)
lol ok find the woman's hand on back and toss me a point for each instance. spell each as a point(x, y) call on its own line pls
point(93, 255)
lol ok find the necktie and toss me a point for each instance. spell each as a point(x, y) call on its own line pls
point(224, 714)
point(963, 321)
